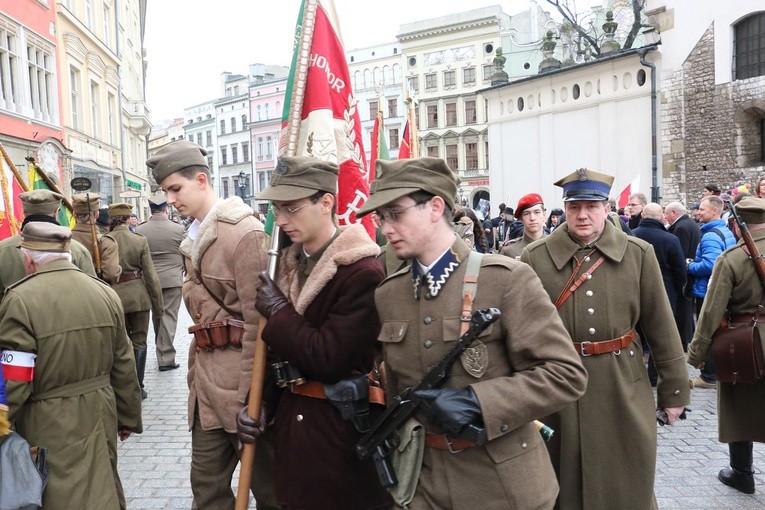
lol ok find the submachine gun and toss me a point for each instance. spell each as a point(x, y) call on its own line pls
point(383, 438)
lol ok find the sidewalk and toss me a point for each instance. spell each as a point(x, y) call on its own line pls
point(154, 466)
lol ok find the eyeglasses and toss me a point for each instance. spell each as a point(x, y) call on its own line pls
point(287, 212)
point(635, 205)
point(379, 218)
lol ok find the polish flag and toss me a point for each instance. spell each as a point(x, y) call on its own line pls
point(632, 187)
point(18, 366)
point(11, 210)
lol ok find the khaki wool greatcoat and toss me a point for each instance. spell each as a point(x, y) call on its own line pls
point(165, 237)
point(605, 449)
point(734, 286)
point(110, 257)
point(143, 293)
point(531, 370)
point(85, 386)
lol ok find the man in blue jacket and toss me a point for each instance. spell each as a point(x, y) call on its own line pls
point(716, 237)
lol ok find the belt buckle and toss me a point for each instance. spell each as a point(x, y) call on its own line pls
point(581, 348)
point(449, 445)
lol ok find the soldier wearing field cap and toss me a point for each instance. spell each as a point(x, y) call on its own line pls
point(585, 266)
point(138, 285)
point(735, 291)
point(40, 205)
point(86, 211)
point(165, 237)
point(521, 368)
point(76, 389)
point(224, 251)
point(320, 320)
point(531, 212)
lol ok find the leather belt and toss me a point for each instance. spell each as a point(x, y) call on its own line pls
point(315, 389)
point(595, 348)
point(743, 318)
point(444, 442)
point(129, 276)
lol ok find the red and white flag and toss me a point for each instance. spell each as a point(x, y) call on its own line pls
point(632, 187)
point(11, 210)
point(18, 366)
point(329, 125)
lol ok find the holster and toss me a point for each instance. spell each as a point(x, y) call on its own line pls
point(219, 334)
point(351, 398)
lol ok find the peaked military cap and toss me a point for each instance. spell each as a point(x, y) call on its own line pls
point(176, 156)
point(585, 184)
point(528, 201)
point(751, 210)
point(44, 236)
point(40, 201)
point(120, 209)
point(297, 177)
point(85, 202)
point(396, 179)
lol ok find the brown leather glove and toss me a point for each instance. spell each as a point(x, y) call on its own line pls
point(247, 429)
point(269, 299)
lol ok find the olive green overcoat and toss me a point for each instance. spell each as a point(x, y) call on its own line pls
point(605, 448)
point(734, 285)
point(110, 258)
point(144, 293)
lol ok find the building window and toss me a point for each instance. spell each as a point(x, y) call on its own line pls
point(268, 148)
point(89, 14)
point(393, 137)
point(750, 47)
point(191, 138)
point(222, 127)
point(107, 26)
point(244, 122)
point(74, 91)
point(42, 81)
point(257, 109)
point(9, 59)
point(265, 111)
point(223, 156)
point(233, 124)
point(234, 155)
point(393, 107)
point(95, 112)
point(245, 152)
point(433, 151)
point(486, 153)
point(468, 75)
point(199, 138)
point(451, 156)
point(373, 107)
point(488, 70)
point(471, 156)
point(224, 185)
point(260, 149)
point(432, 116)
point(431, 82)
point(111, 107)
point(414, 84)
point(450, 79)
point(470, 114)
point(209, 137)
point(451, 114)
point(262, 180)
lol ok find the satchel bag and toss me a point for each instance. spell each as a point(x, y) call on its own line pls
point(737, 352)
point(407, 462)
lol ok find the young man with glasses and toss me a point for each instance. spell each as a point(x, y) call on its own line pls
point(522, 367)
point(636, 203)
point(531, 212)
point(321, 321)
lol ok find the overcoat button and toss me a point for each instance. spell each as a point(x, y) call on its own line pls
point(589, 277)
point(632, 353)
point(299, 417)
point(589, 293)
point(427, 320)
point(590, 311)
point(677, 392)
point(523, 445)
point(428, 344)
point(198, 315)
point(504, 427)
point(587, 259)
point(592, 331)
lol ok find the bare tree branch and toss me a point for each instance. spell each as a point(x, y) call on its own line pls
point(565, 11)
point(637, 9)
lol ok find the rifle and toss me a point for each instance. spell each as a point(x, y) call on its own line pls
point(94, 240)
point(754, 252)
point(382, 439)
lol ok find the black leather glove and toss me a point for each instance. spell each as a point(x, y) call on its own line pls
point(270, 298)
point(247, 429)
point(451, 409)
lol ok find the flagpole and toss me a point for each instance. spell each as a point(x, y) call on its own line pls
point(49, 182)
point(292, 133)
point(7, 204)
point(13, 168)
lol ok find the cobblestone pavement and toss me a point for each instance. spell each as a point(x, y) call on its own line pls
point(154, 466)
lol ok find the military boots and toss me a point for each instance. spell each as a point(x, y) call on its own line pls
point(739, 475)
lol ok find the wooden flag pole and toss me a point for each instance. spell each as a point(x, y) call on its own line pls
point(302, 60)
point(15, 170)
point(49, 182)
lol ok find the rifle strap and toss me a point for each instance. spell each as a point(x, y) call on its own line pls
point(198, 278)
point(469, 288)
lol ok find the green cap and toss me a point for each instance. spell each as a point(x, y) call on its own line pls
point(40, 201)
point(297, 177)
point(85, 202)
point(176, 156)
point(396, 179)
point(120, 209)
point(751, 210)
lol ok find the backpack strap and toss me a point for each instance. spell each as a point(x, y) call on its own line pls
point(719, 233)
point(469, 288)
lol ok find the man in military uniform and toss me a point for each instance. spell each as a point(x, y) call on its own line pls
point(586, 265)
point(165, 237)
point(735, 288)
point(531, 212)
point(77, 391)
point(86, 210)
point(319, 321)
point(522, 367)
point(40, 205)
point(138, 286)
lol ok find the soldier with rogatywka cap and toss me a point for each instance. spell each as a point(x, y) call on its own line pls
point(86, 206)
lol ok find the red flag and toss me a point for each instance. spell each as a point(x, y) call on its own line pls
point(330, 128)
point(624, 196)
point(11, 209)
point(404, 151)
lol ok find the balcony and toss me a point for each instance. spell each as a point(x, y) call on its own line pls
point(138, 117)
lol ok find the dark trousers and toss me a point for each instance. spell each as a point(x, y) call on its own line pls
point(137, 325)
point(684, 319)
point(708, 372)
point(741, 456)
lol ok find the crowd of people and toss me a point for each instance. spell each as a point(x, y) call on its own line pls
point(351, 326)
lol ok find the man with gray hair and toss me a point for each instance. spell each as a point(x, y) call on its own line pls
point(689, 234)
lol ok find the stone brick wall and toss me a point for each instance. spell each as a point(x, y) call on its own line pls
point(709, 133)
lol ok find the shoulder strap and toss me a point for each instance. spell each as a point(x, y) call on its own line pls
point(719, 233)
point(198, 276)
point(469, 288)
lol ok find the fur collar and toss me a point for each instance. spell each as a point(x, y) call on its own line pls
point(352, 245)
point(231, 210)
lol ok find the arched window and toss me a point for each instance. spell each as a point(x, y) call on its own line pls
point(257, 109)
point(278, 108)
point(749, 47)
point(387, 75)
point(268, 147)
point(368, 83)
point(396, 73)
point(260, 148)
point(265, 110)
point(377, 75)
point(358, 81)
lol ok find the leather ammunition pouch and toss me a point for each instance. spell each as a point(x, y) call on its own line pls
point(219, 334)
point(737, 350)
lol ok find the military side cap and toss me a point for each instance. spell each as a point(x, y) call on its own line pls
point(297, 177)
point(396, 179)
point(85, 202)
point(751, 210)
point(40, 201)
point(528, 201)
point(44, 236)
point(584, 184)
point(157, 200)
point(176, 156)
point(120, 209)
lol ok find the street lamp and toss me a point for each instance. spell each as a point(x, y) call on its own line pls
point(242, 185)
